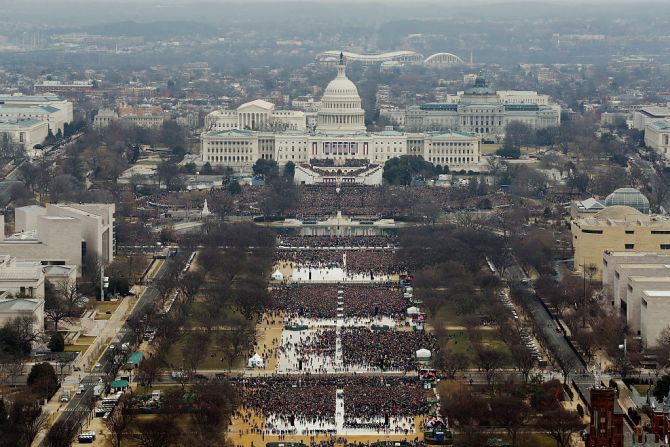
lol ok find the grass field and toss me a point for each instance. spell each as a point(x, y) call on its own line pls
point(84, 340)
point(642, 389)
point(212, 359)
point(490, 149)
point(197, 307)
point(460, 342)
point(491, 339)
point(448, 316)
point(104, 306)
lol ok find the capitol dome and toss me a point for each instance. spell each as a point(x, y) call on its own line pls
point(341, 105)
point(340, 87)
point(628, 197)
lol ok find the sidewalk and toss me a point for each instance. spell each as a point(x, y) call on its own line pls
point(86, 360)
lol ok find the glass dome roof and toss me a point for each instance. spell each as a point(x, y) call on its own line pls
point(628, 197)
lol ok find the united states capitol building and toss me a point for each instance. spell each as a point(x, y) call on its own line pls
point(339, 149)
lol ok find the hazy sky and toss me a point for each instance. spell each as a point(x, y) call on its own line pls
point(440, 2)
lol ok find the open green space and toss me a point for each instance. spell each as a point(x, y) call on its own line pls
point(104, 306)
point(493, 340)
point(84, 340)
point(489, 149)
point(460, 342)
point(448, 316)
point(198, 308)
point(213, 357)
point(642, 389)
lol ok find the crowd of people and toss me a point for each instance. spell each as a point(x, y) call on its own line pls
point(304, 398)
point(385, 349)
point(377, 262)
point(305, 301)
point(338, 241)
point(321, 342)
point(311, 258)
point(369, 402)
point(368, 398)
point(369, 262)
point(315, 202)
point(321, 301)
point(367, 301)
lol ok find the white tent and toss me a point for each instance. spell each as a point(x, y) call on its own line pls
point(423, 354)
point(256, 361)
point(278, 276)
point(413, 310)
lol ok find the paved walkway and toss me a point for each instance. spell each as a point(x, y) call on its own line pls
point(87, 359)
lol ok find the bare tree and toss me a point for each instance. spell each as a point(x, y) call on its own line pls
point(489, 360)
point(511, 413)
point(194, 350)
point(120, 419)
point(63, 303)
point(238, 339)
point(27, 417)
point(663, 346)
point(213, 406)
point(62, 433)
point(566, 364)
point(561, 424)
point(190, 284)
point(159, 432)
point(148, 370)
point(524, 360)
point(450, 362)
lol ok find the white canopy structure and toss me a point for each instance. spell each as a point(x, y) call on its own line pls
point(423, 354)
point(256, 361)
point(413, 310)
point(278, 276)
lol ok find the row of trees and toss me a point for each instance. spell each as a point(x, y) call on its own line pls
point(404, 169)
point(209, 407)
point(221, 299)
point(515, 408)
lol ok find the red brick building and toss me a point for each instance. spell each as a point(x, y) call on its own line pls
point(606, 428)
point(660, 421)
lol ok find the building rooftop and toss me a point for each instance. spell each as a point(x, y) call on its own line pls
point(651, 278)
point(29, 98)
point(231, 133)
point(19, 304)
point(451, 133)
point(257, 103)
point(655, 111)
point(8, 108)
point(480, 88)
point(657, 293)
point(439, 106)
point(644, 266)
point(9, 124)
point(58, 270)
point(20, 274)
point(660, 124)
point(589, 204)
point(23, 236)
point(629, 197)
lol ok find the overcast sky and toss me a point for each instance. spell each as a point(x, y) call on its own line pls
point(440, 2)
